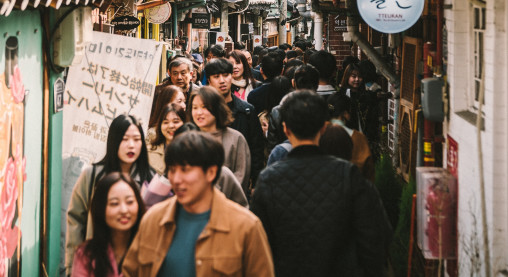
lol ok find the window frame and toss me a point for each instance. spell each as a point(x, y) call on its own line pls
point(477, 48)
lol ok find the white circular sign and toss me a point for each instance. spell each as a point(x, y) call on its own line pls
point(390, 16)
point(158, 14)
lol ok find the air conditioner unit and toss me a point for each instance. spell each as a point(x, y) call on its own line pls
point(73, 34)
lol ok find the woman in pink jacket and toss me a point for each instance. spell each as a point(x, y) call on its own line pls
point(116, 211)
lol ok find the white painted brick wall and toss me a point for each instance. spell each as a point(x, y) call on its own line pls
point(494, 139)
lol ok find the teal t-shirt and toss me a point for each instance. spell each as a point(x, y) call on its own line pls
point(180, 259)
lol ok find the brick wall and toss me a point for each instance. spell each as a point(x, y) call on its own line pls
point(338, 47)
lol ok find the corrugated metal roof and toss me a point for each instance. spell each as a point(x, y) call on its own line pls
point(6, 6)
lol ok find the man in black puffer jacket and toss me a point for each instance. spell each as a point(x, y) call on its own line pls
point(321, 216)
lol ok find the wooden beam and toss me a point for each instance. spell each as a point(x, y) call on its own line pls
point(151, 4)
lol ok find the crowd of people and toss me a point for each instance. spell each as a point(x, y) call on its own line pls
point(254, 164)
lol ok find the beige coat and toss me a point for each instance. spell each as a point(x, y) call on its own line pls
point(232, 245)
point(79, 221)
point(362, 157)
point(227, 182)
point(156, 158)
point(237, 154)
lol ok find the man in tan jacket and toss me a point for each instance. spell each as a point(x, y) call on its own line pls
point(198, 232)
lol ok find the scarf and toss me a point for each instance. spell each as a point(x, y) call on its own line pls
point(241, 83)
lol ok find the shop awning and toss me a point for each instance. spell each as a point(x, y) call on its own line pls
point(6, 6)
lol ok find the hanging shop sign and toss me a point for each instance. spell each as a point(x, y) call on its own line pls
point(200, 21)
point(158, 14)
point(247, 28)
point(257, 40)
point(392, 16)
point(221, 39)
point(125, 23)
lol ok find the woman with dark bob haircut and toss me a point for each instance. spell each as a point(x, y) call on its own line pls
point(243, 82)
point(211, 114)
point(116, 210)
point(125, 152)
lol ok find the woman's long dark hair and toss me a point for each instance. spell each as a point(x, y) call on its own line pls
point(165, 95)
point(111, 162)
point(96, 249)
point(159, 137)
point(215, 104)
point(239, 57)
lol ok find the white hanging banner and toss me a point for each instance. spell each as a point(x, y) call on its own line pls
point(116, 76)
point(257, 39)
point(221, 39)
point(390, 16)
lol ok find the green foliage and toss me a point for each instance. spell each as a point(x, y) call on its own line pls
point(400, 244)
point(389, 187)
point(406, 203)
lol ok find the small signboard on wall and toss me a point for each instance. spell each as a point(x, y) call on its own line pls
point(200, 21)
point(340, 23)
point(452, 157)
point(58, 93)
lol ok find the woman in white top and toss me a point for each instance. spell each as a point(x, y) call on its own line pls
point(243, 82)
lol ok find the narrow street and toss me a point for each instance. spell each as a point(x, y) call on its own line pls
point(411, 119)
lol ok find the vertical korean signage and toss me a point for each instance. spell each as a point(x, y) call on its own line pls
point(116, 76)
point(390, 16)
point(340, 23)
point(452, 157)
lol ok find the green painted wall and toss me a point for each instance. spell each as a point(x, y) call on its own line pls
point(55, 180)
point(26, 27)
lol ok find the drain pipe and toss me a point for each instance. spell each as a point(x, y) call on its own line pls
point(356, 37)
point(318, 30)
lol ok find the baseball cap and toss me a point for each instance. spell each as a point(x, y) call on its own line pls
point(197, 57)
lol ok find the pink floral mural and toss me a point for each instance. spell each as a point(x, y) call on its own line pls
point(12, 160)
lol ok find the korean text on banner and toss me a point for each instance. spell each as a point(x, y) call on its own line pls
point(116, 76)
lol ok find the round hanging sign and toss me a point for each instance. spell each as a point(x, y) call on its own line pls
point(390, 16)
point(158, 14)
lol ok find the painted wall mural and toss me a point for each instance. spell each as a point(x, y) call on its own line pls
point(12, 159)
